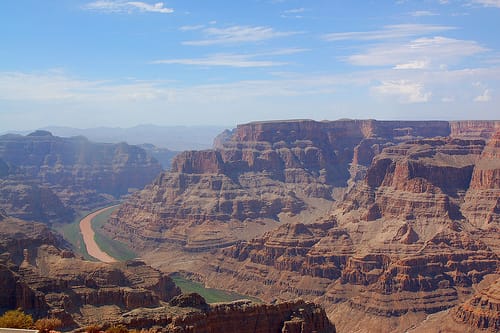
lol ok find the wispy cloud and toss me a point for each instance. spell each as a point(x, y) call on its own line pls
point(238, 34)
point(388, 32)
point(421, 52)
point(234, 60)
point(191, 27)
point(294, 10)
point(118, 6)
point(484, 97)
point(420, 13)
point(404, 91)
point(230, 60)
point(488, 3)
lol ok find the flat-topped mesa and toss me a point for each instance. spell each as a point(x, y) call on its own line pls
point(474, 128)
point(79, 173)
point(338, 130)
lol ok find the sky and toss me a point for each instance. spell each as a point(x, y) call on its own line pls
point(195, 62)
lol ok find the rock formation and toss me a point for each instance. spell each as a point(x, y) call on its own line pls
point(41, 275)
point(43, 278)
point(387, 219)
point(482, 311)
point(259, 172)
point(45, 178)
point(239, 316)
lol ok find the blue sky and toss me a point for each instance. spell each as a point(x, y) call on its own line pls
point(123, 63)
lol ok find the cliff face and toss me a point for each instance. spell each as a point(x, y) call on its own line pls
point(482, 206)
point(399, 242)
point(67, 173)
point(265, 170)
point(189, 313)
point(408, 235)
point(40, 276)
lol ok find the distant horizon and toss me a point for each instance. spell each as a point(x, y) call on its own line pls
point(117, 63)
point(229, 127)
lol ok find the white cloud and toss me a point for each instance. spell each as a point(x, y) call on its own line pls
point(231, 60)
point(484, 97)
point(294, 11)
point(420, 13)
point(435, 50)
point(234, 60)
point(389, 32)
point(404, 91)
point(488, 3)
point(120, 6)
point(191, 27)
point(418, 64)
point(238, 34)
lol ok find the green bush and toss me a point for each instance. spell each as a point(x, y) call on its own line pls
point(16, 319)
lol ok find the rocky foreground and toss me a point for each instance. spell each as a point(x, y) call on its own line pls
point(383, 223)
point(41, 276)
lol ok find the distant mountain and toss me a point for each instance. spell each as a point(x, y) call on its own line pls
point(175, 138)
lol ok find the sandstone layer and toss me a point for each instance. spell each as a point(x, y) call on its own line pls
point(392, 220)
point(40, 276)
point(261, 172)
point(46, 178)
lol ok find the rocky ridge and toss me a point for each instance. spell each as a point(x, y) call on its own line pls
point(412, 231)
point(263, 171)
point(41, 276)
point(45, 178)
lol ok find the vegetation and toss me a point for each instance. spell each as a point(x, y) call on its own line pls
point(112, 247)
point(93, 329)
point(209, 294)
point(46, 325)
point(117, 329)
point(16, 319)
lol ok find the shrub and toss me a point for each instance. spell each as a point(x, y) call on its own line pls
point(117, 329)
point(46, 325)
point(16, 319)
point(93, 329)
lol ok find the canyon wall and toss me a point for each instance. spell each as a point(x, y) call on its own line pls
point(46, 178)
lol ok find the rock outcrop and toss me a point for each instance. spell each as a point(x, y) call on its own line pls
point(482, 311)
point(263, 171)
point(482, 201)
point(240, 316)
point(388, 219)
point(39, 274)
point(45, 178)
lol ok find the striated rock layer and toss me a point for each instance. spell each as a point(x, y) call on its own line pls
point(45, 178)
point(399, 243)
point(265, 171)
point(191, 314)
point(41, 277)
point(389, 219)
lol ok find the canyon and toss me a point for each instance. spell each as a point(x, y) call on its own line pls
point(41, 275)
point(48, 178)
point(385, 221)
